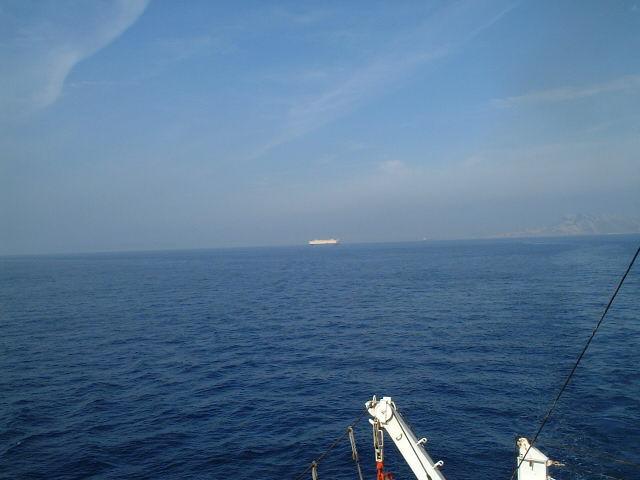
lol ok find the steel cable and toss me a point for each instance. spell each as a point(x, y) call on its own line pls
point(332, 446)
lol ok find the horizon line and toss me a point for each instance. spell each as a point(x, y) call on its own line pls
point(289, 245)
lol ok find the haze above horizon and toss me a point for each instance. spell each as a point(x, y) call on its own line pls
point(135, 125)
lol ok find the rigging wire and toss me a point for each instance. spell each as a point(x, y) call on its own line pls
point(317, 461)
point(577, 362)
point(354, 451)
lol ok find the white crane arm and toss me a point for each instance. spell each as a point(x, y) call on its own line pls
point(412, 449)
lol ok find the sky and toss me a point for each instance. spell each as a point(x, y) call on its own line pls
point(143, 125)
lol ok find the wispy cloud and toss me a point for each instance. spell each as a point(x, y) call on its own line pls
point(358, 86)
point(39, 52)
point(565, 94)
point(441, 34)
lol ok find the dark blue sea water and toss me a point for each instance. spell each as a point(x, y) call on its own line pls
point(246, 363)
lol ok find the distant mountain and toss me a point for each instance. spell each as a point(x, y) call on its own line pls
point(583, 224)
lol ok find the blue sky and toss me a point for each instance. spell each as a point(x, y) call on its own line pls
point(152, 125)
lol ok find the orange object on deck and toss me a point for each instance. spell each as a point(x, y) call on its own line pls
point(381, 474)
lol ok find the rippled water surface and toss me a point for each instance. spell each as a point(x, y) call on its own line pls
point(246, 363)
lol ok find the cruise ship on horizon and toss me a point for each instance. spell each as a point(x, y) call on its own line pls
point(328, 241)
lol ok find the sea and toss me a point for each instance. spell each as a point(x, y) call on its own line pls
point(247, 363)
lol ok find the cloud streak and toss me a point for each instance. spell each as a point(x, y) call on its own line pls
point(439, 36)
point(40, 51)
point(565, 94)
point(310, 114)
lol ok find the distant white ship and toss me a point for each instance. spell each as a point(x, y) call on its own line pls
point(328, 241)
